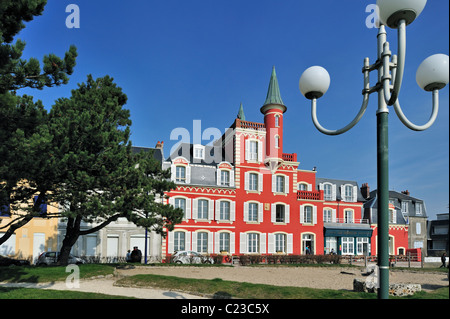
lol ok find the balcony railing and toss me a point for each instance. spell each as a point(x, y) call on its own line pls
point(250, 125)
point(310, 195)
point(289, 157)
point(350, 221)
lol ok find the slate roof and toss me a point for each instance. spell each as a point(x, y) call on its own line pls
point(338, 184)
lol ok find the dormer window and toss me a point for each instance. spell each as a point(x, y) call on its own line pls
point(225, 175)
point(199, 152)
point(180, 175)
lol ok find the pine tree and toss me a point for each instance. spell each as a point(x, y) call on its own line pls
point(101, 179)
point(23, 128)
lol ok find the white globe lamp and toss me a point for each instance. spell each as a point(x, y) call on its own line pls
point(314, 82)
point(433, 72)
point(391, 12)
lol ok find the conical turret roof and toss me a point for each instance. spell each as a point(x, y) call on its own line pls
point(273, 93)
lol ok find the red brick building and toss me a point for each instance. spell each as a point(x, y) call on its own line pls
point(245, 195)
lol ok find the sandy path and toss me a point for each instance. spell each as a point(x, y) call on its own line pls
point(106, 286)
point(313, 277)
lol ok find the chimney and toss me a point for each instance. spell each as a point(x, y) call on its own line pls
point(406, 192)
point(159, 145)
point(365, 190)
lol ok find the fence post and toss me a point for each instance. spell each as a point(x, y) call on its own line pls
point(409, 260)
point(421, 259)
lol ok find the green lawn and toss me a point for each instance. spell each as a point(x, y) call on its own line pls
point(34, 293)
point(50, 274)
point(213, 287)
point(218, 287)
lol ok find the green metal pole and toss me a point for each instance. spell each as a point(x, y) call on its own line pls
point(383, 203)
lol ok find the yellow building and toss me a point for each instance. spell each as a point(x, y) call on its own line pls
point(29, 241)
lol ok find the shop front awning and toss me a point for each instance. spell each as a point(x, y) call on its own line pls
point(347, 230)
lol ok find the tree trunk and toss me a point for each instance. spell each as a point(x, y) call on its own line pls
point(71, 237)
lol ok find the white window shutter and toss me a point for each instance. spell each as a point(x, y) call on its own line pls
point(232, 178)
point(218, 176)
point(273, 213)
point(245, 212)
point(217, 209)
point(173, 172)
point(247, 150)
point(287, 214)
point(302, 215)
point(188, 175)
point(188, 240)
point(290, 243)
point(188, 208)
point(286, 184)
point(355, 194)
point(210, 243)
point(343, 192)
point(260, 212)
point(232, 243)
point(314, 215)
point(195, 208)
point(172, 201)
point(333, 215)
point(274, 183)
point(309, 187)
point(246, 181)
point(171, 236)
point(394, 216)
point(321, 186)
point(260, 153)
point(243, 243)
point(194, 241)
point(270, 243)
point(262, 243)
point(333, 192)
point(216, 243)
point(260, 182)
point(210, 209)
point(233, 211)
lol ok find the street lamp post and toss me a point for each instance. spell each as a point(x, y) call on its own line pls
point(432, 75)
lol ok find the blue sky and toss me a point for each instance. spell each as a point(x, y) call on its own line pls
point(180, 61)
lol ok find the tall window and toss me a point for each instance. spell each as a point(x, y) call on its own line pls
point(203, 207)
point(280, 184)
point(225, 178)
point(328, 192)
point(253, 243)
point(327, 215)
point(419, 209)
point(277, 120)
point(404, 207)
point(348, 216)
point(224, 210)
point(224, 242)
point(280, 243)
point(362, 245)
point(252, 212)
point(277, 141)
point(179, 241)
point(181, 203)
point(202, 242)
point(253, 182)
point(280, 213)
point(180, 176)
point(348, 246)
point(348, 197)
point(253, 153)
point(308, 215)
